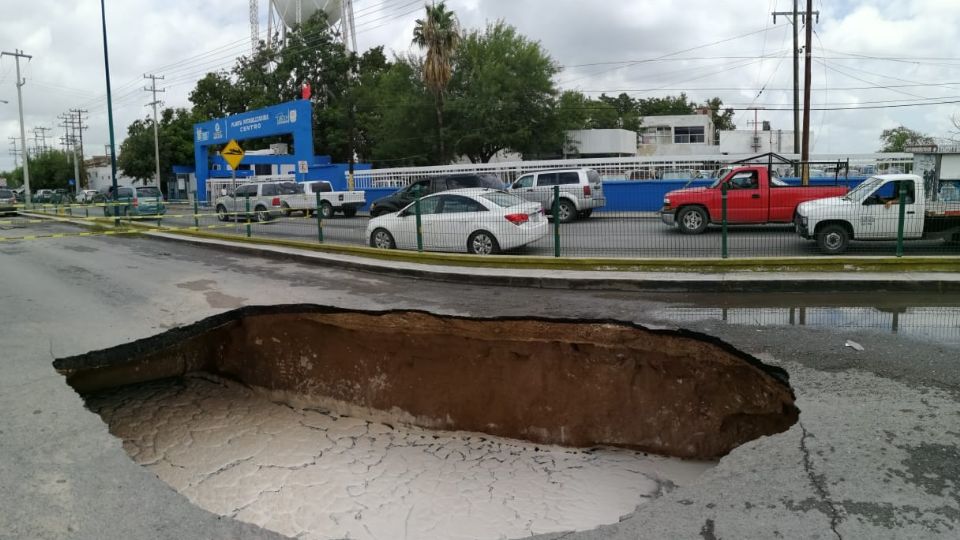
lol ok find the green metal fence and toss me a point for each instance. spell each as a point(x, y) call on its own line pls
point(893, 219)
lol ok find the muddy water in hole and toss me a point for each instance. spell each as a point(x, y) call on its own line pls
point(315, 474)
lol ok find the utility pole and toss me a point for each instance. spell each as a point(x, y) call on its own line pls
point(42, 135)
point(807, 71)
point(106, 69)
point(18, 54)
point(15, 153)
point(794, 18)
point(156, 121)
point(72, 126)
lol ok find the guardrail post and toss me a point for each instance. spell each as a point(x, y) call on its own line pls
point(319, 217)
point(900, 200)
point(723, 220)
point(556, 221)
point(416, 210)
point(248, 216)
point(196, 212)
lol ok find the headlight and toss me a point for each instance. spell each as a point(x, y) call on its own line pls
point(803, 220)
point(666, 202)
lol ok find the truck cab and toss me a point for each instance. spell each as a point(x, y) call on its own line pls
point(871, 211)
point(753, 197)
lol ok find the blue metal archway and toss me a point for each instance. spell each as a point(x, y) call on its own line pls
point(292, 118)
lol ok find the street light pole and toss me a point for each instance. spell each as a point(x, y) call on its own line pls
point(113, 153)
point(18, 54)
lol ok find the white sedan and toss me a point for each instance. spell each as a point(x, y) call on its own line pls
point(476, 220)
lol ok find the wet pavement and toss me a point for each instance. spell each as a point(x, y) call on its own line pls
point(315, 474)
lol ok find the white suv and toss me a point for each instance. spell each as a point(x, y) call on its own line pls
point(265, 201)
point(581, 190)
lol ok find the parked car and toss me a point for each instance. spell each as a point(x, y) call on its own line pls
point(478, 220)
point(139, 201)
point(305, 200)
point(8, 201)
point(753, 196)
point(86, 196)
point(43, 196)
point(581, 191)
point(265, 202)
point(405, 196)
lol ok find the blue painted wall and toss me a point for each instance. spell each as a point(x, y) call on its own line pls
point(647, 195)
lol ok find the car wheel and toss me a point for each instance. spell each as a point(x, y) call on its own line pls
point(326, 210)
point(833, 239)
point(349, 212)
point(262, 214)
point(482, 243)
point(222, 213)
point(692, 220)
point(566, 211)
point(382, 239)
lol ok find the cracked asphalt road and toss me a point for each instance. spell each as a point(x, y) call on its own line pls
point(876, 456)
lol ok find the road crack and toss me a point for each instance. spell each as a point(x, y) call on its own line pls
point(819, 483)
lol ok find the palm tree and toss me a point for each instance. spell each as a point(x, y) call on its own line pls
point(439, 34)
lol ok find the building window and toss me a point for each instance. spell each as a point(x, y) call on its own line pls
point(688, 135)
point(656, 135)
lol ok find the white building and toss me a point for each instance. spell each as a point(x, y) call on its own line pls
point(99, 175)
point(587, 143)
point(677, 135)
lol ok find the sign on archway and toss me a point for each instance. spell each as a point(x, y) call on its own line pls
point(293, 118)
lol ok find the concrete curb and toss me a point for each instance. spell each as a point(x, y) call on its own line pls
point(600, 280)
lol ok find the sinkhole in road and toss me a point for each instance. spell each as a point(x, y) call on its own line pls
point(319, 422)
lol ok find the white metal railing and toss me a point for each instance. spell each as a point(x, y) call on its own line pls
point(621, 168)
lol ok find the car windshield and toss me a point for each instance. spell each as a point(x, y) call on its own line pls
point(147, 192)
point(125, 192)
point(502, 199)
point(6, 194)
point(867, 187)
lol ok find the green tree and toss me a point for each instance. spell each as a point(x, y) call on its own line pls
point(502, 96)
point(627, 111)
point(899, 138)
point(175, 130)
point(48, 170)
point(397, 116)
point(668, 105)
point(215, 96)
point(722, 118)
point(439, 33)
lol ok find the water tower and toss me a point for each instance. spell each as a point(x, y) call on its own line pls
point(285, 14)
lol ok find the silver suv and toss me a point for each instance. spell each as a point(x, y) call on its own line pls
point(265, 201)
point(581, 190)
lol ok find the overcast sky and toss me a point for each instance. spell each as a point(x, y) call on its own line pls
point(868, 53)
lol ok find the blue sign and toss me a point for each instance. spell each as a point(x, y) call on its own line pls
point(71, 182)
point(292, 118)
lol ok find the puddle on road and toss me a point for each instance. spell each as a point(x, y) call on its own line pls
point(939, 324)
point(311, 473)
point(318, 422)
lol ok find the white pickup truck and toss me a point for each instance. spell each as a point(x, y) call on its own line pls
point(305, 200)
point(871, 211)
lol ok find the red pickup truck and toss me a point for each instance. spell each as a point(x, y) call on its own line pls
point(752, 197)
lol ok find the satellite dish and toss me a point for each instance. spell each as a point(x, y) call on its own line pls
point(287, 10)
